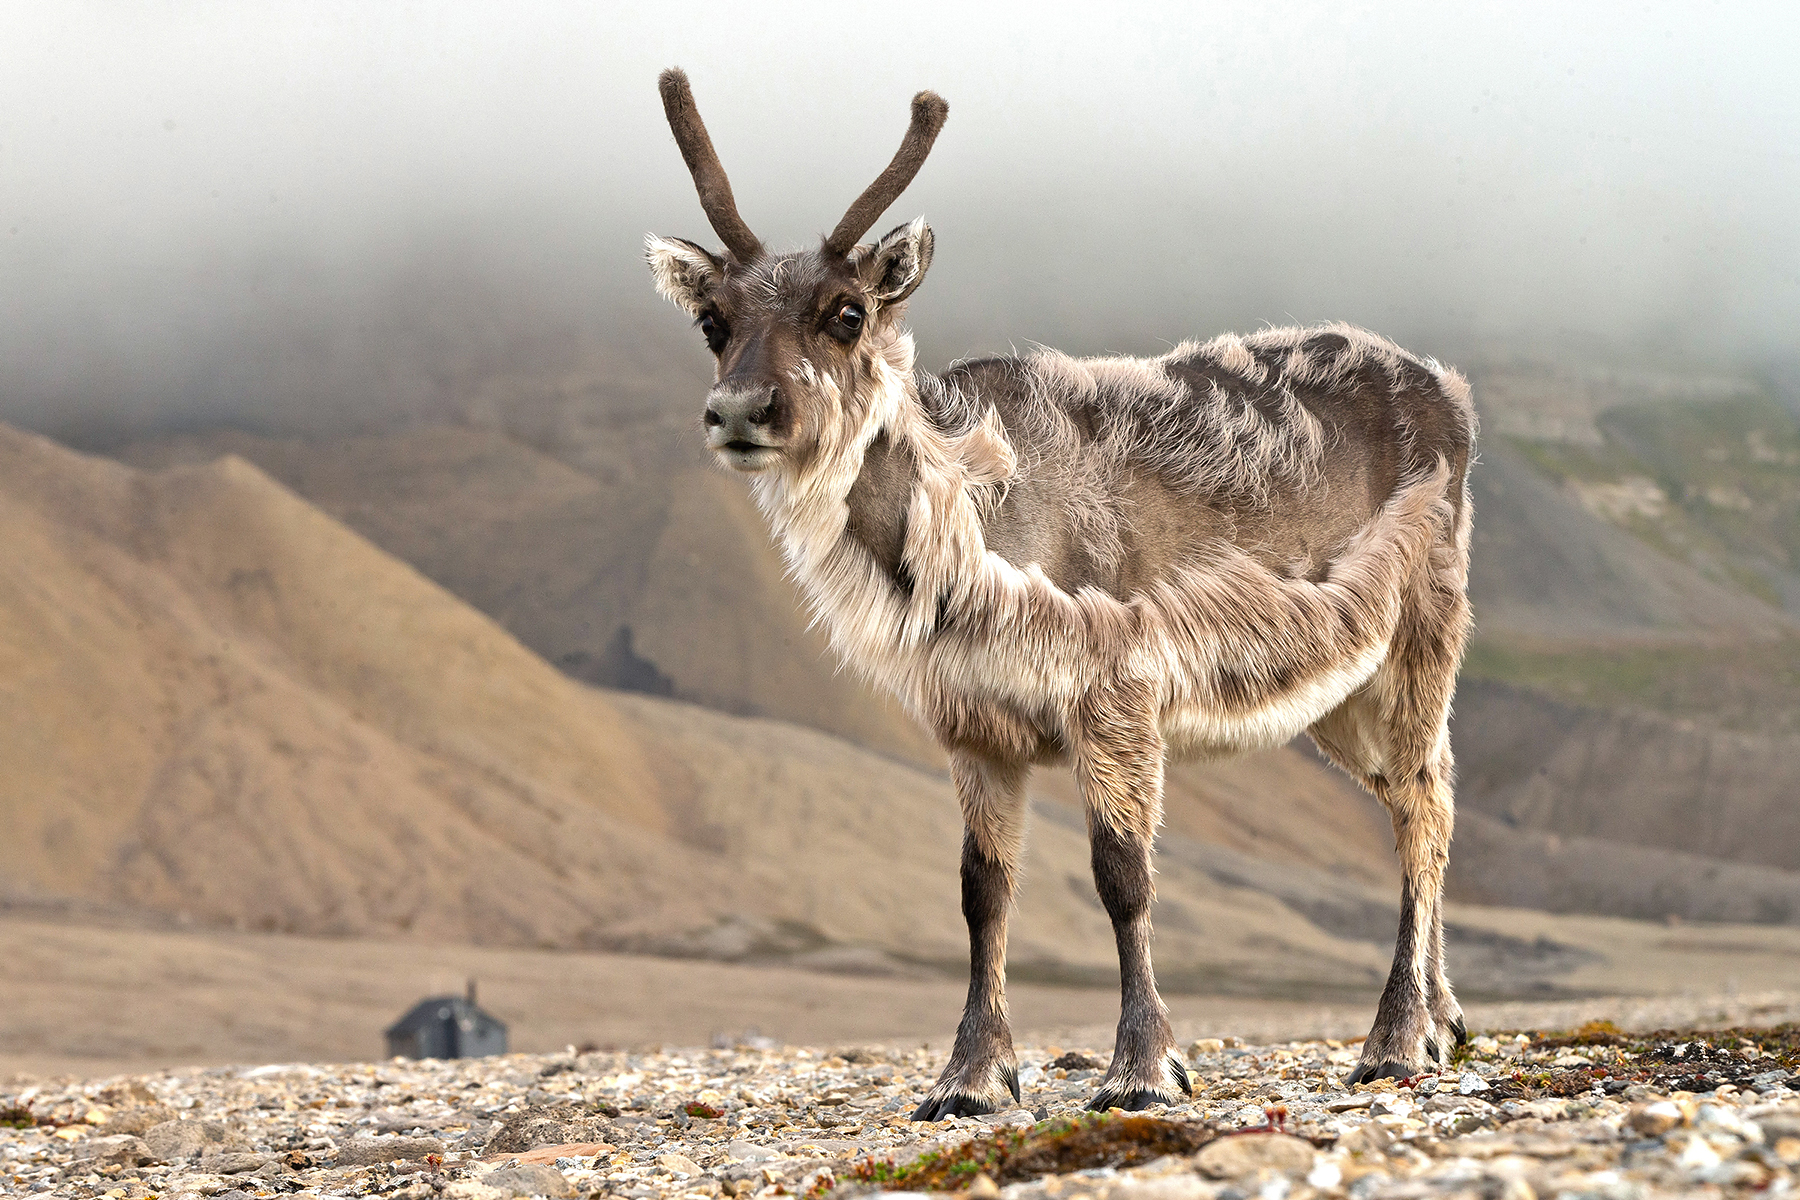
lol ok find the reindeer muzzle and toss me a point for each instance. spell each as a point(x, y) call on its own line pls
point(745, 425)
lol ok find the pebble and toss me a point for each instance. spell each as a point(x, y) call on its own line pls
point(1235, 1157)
point(1387, 1104)
point(1470, 1083)
point(530, 1180)
point(122, 1149)
point(1011, 1116)
point(367, 1150)
point(193, 1139)
point(679, 1163)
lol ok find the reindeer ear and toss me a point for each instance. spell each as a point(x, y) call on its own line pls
point(684, 272)
point(894, 266)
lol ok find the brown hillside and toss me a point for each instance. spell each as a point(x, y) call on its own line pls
point(1544, 566)
point(646, 537)
point(222, 703)
point(1634, 777)
point(554, 553)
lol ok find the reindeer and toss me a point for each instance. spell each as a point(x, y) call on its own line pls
point(1101, 562)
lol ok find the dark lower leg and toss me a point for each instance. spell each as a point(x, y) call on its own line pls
point(1146, 1068)
point(1417, 1022)
point(1400, 1041)
point(1442, 999)
point(981, 1075)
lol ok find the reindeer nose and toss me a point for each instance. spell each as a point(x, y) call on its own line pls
point(740, 407)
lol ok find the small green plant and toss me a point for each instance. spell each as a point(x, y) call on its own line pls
point(17, 1116)
point(1047, 1148)
point(705, 1112)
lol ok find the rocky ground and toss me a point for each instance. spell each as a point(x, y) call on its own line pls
point(1595, 1113)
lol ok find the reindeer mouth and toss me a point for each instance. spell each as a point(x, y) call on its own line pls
point(748, 456)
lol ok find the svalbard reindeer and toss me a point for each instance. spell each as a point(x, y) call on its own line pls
point(1100, 562)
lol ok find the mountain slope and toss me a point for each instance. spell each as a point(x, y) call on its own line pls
point(644, 568)
point(1543, 566)
point(1637, 778)
point(217, 704)
point(1627, 720)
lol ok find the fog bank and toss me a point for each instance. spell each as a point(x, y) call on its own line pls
point(307, 216)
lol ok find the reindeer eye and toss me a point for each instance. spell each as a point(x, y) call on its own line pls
point(715, 331)
point(846, 323)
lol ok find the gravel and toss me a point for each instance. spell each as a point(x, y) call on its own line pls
point(763, 1122)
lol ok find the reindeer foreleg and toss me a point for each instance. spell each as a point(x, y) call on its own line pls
point(982, 1074)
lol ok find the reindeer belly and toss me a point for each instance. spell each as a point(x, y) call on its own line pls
point(1013, 691)
point(1196, 729)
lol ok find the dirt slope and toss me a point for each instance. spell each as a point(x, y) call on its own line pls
point(569, 559)
point(611, 547)
point(1503, 864)
point(1699, 791)
point(220, 702)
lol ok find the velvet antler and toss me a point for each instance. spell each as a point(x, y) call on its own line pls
point(703, 164)
point(928, 114)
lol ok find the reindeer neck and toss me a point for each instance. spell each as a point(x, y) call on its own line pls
point(810, 508)
point(883, 530)
point(878, 502)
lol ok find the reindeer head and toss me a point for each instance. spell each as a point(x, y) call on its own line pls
point(805, 342)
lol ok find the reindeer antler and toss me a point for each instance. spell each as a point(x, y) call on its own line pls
point(928, 114)
point(703, 164)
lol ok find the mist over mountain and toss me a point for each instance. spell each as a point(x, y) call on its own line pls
point(334, 216)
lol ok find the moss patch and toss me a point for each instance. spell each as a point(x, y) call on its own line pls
point(1048, 1148)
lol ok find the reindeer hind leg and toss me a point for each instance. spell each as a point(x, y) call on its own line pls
point(1119, 764)
point(1393, 737)
point(1418, 1021)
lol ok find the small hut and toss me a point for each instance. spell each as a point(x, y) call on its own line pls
point(447, 1027)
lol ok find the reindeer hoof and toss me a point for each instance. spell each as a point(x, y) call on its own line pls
point(1142, 1098)
point(1369, 1072)
point(1461, 1031)
point(947, 1101)
point(1132, 1095)
point(954, 1104)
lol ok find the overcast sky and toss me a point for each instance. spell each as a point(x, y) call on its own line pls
point(287, 213)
